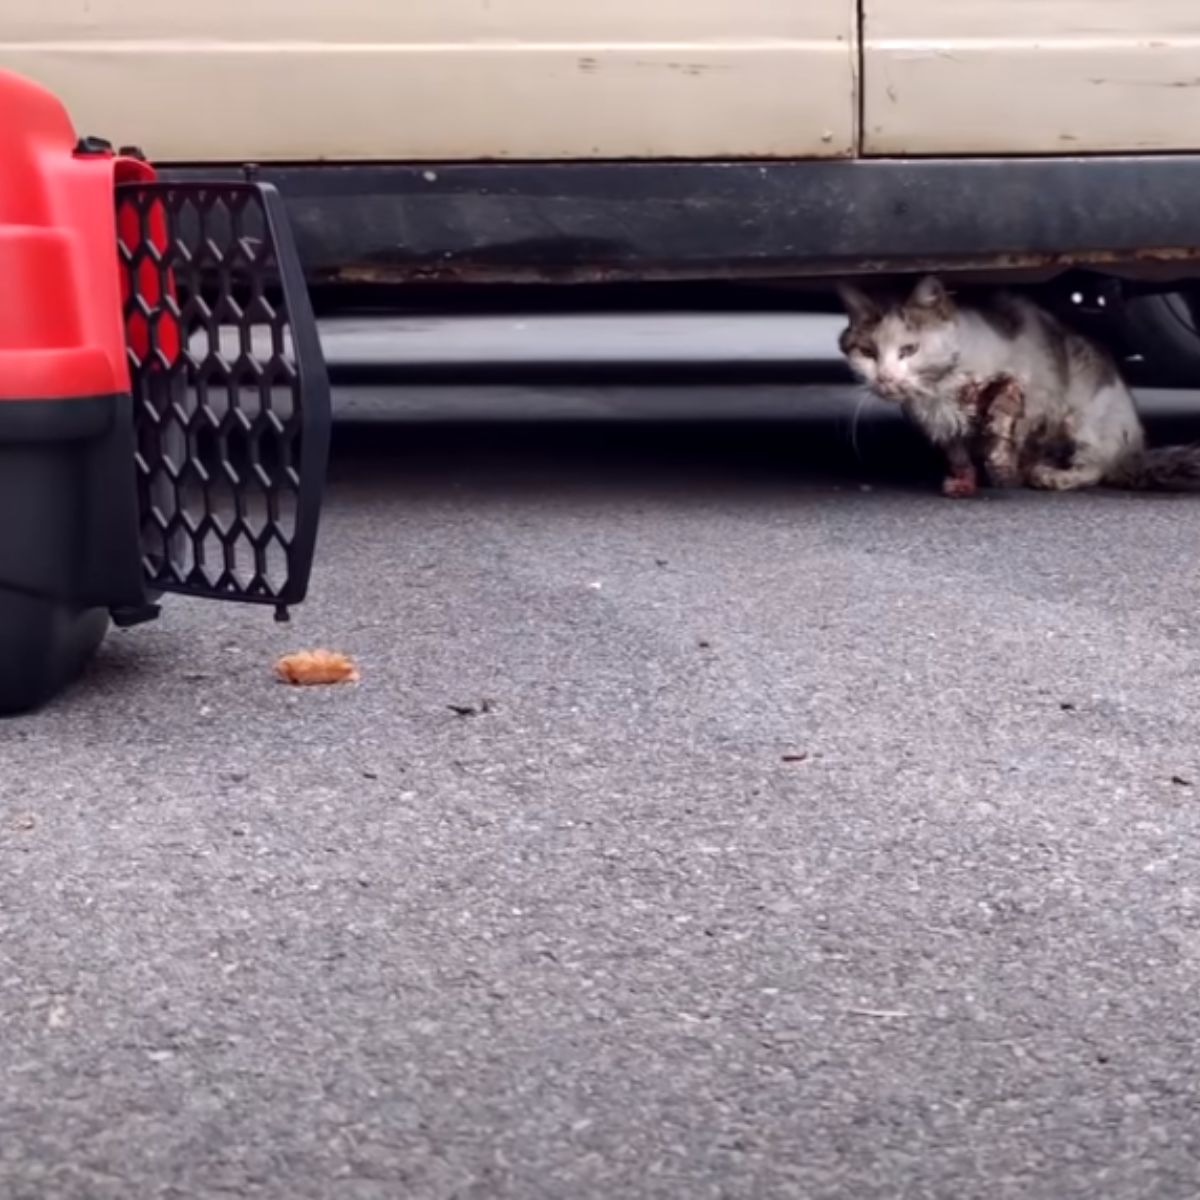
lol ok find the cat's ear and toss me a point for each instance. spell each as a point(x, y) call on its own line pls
point(861, 308)
point(931, 295)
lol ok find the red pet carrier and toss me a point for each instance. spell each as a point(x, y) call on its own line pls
point(164, 410)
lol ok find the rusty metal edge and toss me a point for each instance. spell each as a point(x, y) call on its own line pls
point(594, 222)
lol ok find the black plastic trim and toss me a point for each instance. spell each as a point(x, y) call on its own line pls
point(586, 222)
point(71, 420)
point(67, 467)
point(69, 540)
point(317, 408)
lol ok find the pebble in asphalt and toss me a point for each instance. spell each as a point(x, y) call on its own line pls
point(822, 839)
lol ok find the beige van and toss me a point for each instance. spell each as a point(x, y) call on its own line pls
point(595, 140)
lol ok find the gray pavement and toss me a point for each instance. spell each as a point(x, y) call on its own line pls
point(822, 838)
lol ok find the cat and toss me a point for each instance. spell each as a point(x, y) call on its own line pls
point(1008, 385)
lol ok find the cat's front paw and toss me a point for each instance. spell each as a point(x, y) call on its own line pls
point(960, 486)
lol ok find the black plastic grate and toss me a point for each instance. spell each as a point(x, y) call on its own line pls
point(231, 399)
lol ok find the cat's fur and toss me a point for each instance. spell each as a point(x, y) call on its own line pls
point(1009, 384)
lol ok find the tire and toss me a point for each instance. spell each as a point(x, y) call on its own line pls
point(1163, 328)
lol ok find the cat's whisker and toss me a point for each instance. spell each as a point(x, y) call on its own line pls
point(864, 398)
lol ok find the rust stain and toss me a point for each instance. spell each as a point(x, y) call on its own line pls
point(582, 272)
point(1029, 261)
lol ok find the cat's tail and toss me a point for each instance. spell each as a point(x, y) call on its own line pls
point(1166, 469)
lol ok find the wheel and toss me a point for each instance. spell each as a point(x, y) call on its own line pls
point(1163, 329)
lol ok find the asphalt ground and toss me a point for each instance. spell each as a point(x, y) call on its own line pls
point(721, 813)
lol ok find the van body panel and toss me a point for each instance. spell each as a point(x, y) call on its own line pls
point(974, 77)
point(309, 80)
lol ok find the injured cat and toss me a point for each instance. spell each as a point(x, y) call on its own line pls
point(1006, 387)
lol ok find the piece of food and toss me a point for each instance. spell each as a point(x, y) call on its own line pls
point(310, 667)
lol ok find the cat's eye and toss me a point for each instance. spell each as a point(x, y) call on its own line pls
point(868, 352)
point(907, 351)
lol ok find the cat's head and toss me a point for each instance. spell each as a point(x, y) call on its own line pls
point(902, 349)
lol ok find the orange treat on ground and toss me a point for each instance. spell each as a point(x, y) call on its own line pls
point(309, 667)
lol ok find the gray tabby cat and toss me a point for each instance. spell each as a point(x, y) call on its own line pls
point(1010, 386)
